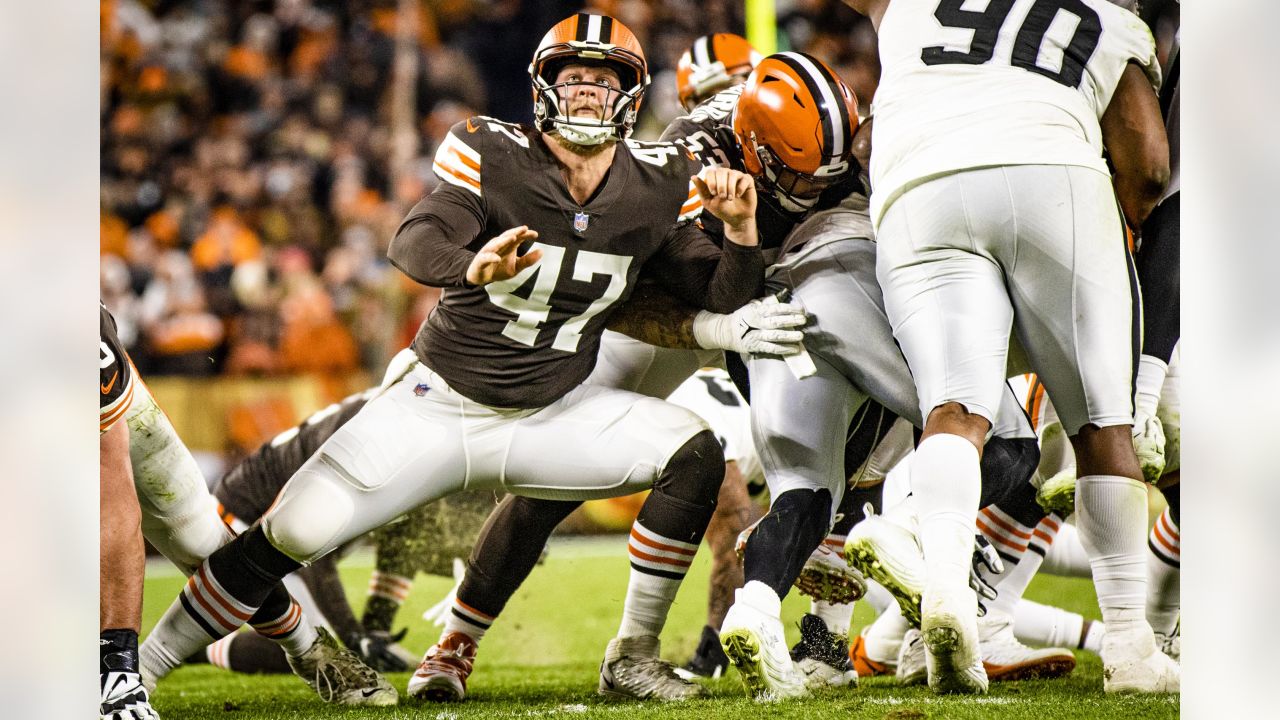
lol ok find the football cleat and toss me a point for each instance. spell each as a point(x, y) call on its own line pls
point(1004, 658)
point(123, 696)
point(950, 629)
point(912, 667)
point(338, 676)
point(632, 669)
point(822, 656)
point(889, 553)
point(442, 674)
point(755, 644)
point(1148, 444)
point(827, 577)
point(1058, 493)
point(708, 659)
point(1132, 663)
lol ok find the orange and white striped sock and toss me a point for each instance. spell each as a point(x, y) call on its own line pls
point(658, 566)
point(1164, 575)
point(390, 586)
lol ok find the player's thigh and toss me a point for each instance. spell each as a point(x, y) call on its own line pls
point(628, 364)
point(404, 448)
point(799, 425)
point(179, 515)
point(836, 284)
point(1075, 293)
point(944, 292)
point(595, 442)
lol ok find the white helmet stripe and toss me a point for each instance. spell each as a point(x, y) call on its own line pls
point(593, 29)
point(701, 51)
point(830, 102)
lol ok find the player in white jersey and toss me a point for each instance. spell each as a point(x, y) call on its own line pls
point(995, 212)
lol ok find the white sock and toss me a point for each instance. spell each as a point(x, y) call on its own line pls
point(292, 631)
point(467, 620)
point(759, 596)
point(945, 484)
point(658, 566)
point(878, 598)
point(883, 637)
point(837, 617)
point(1111, 515)
point(1048, 626)
point(1066, 556)
point(1164, 575)
point(219, 653)
point(176, 637)
point(1149, 383)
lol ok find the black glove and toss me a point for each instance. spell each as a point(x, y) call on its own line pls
point(380, 650)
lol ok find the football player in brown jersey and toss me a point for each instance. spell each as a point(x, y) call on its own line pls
point(536, 234)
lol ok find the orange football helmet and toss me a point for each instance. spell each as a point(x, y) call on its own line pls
point(711, 64)
point(795, 122)
point(590, 40)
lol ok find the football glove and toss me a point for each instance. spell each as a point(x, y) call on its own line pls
point(757, 328)
point(984, 555)
point(381, 651)
point(124, 697)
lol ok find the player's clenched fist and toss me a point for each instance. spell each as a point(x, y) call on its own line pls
point(729, 195)
point(498, 260)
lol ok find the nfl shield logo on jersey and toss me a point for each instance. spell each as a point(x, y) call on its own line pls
point(580, 221)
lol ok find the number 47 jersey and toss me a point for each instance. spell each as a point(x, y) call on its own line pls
point(526, 341)
point(967, 84)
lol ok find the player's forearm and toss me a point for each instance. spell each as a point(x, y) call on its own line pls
point(737, 279)
point(422, 251)
point(121, 554)
point(657, 318)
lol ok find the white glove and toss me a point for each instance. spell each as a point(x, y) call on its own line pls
point(757, 328)
point(124, 698)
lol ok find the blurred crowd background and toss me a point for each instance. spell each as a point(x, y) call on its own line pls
point(257, 157)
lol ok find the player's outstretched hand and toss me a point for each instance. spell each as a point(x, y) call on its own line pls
point(728, 194)
point(498, 259)
point(757, 328)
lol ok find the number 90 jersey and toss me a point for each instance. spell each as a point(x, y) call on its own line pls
point(1017, 82)
point(526, 341)
point(115, 373)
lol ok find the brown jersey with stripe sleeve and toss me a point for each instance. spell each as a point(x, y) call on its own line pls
point(115, 373)
point(525, 342)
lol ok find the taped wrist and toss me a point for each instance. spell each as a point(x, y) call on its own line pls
point(713, 331)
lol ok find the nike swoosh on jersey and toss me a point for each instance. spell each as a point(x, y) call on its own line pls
point(110, 384)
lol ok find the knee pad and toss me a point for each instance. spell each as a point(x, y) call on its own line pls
point(695, 471)
point(309, 516)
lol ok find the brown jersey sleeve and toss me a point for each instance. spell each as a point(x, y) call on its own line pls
point(430, 245)
point(719, 279)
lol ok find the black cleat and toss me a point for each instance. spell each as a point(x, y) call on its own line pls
point(709, 659)
point(822, 656)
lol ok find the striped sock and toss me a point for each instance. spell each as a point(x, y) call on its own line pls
point(287, 629)
point(1164, 575)
point(390, 586)
point(466, 619)
point(219, 653)
point(658, 566)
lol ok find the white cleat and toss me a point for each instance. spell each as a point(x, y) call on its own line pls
point(1171, 644)
point(949, 625)
point(1132, 663)
point(338, 676)
point(890, 554)
point(632, 668)
point(1004, 658)
point(756, 645)
point(1149, 444)
point(912, 668)
point(827, 577)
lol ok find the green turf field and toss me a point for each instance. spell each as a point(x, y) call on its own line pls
point(542, 657)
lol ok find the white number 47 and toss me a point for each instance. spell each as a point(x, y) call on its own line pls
point(531, 313)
